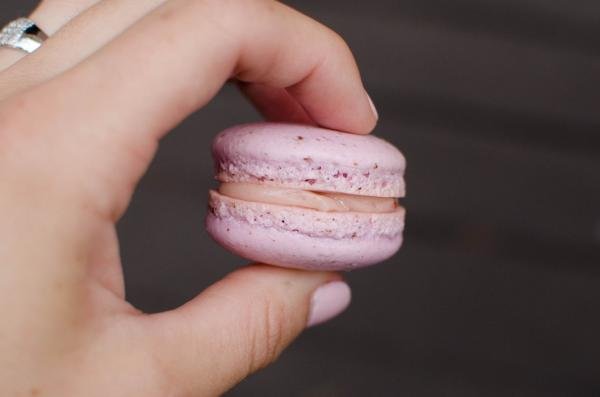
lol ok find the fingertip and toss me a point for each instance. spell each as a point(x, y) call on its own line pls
point(373, 107)
point(365, 120)
point(330, 295)
point(337, 103)
point(329, 301)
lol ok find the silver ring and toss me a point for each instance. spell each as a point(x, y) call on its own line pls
point(22, 34)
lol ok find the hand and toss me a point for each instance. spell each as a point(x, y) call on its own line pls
point(80, 121)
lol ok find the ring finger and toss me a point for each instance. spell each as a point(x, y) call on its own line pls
point(87, 26)
point(50, 16)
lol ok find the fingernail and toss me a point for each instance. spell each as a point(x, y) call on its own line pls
point(373, 108)
point(328, 301)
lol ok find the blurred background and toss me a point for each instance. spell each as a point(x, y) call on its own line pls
point(496, 105)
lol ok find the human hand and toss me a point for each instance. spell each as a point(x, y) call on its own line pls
point(80, 122)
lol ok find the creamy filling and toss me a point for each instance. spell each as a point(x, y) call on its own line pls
point(321, 201)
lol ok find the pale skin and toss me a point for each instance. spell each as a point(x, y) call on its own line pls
point(80, 121)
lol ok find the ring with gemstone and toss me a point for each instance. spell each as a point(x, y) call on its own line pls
point(22, 34)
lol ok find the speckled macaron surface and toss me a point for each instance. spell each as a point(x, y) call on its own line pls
point(311, 159)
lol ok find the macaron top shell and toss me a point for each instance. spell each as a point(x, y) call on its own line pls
point(310, 158)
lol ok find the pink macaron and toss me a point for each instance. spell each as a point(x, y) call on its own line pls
point(306, 197)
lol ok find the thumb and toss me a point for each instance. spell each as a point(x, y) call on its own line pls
point(241, 324)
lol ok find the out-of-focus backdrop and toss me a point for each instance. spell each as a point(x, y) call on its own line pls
point(496, 104)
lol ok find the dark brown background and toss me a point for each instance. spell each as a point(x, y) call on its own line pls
point(497, 291)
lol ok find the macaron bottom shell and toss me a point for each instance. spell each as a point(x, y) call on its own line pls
point(344, 241)
point(295, 250)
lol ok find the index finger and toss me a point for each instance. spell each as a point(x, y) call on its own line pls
point(125, 97)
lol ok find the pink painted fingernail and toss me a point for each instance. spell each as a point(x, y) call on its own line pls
point(328, 301)
point(373, 108)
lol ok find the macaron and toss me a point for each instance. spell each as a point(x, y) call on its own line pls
point(305, 197)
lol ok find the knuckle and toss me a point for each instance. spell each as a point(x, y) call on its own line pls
point(17, 134)
point(267, 333)
point(241, 11)
point(35, 158)
point(339, 43)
